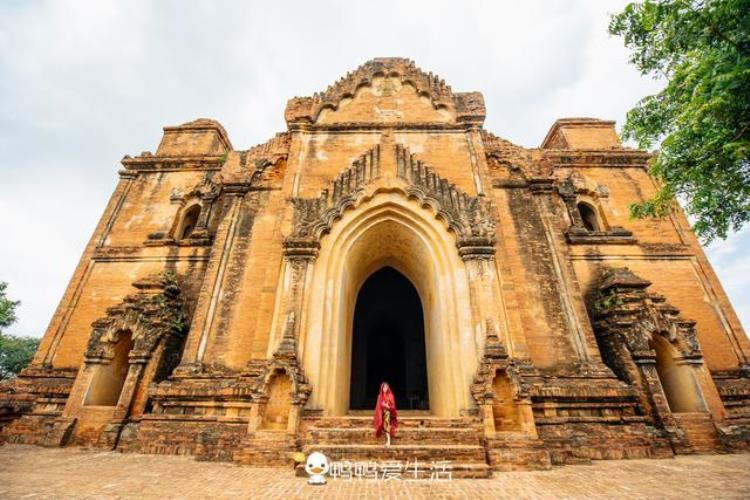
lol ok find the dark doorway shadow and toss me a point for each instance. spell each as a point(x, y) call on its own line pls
point(388, 343)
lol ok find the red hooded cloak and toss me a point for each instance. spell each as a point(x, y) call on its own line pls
point(378, 421)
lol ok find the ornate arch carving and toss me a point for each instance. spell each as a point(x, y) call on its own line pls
point(573, 190)
point(469, 106)
point(155, 314)
point(627, 315)
point(207, 189)
point(494, 360)
point(627, 320)
point(284, 360)
point(203, 194)
point(313, 217)
point(468, 217)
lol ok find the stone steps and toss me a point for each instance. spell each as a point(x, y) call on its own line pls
point(404, 422)
point(427, 452)
point(464, 461)
point(700, 432)
point(407, 435)
point(423, 438)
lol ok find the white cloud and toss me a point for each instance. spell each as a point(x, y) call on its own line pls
point(731, 261)
point(83, 83)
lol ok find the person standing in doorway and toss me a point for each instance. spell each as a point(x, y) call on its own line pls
point(386, 415)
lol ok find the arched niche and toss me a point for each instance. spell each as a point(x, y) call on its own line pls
point(279, 404)
point(677, 380)
point(505, 412)
point(589, 216)
point(188, 221)
point(389, 230)
point(106, 384)
point(386, 99)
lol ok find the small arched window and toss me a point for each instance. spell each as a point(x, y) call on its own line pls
point(589, 217)
point(189, 221)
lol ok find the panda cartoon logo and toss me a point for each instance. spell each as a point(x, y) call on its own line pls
point(317, 467)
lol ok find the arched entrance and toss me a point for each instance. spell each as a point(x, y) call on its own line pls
point(677, 380)
point(388, 229)
point(109, 378)
point(388, 342)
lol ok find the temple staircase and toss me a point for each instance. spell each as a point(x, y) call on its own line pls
point(421, 437)
point(700, 432)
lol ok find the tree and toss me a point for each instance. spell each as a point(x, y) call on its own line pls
point(702, 116)
point(7, 308)
point(15, 352)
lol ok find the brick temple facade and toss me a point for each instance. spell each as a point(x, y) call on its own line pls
point(240, 305)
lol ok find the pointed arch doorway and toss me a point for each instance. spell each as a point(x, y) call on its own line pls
point(389, 229)
point(388, 343)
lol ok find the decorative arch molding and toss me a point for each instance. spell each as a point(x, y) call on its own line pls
point(469, 106)
point(494, 360)
point(203, 195)
point(313, 217)
point(399, 213)
point(573, 191)
point(470, 218)
point(285, 361)
point(628, 323)
point(155, 314)
point(389, 229)
point(623, 295)
point(207, 189)
point(155, 319)
point(495, 363)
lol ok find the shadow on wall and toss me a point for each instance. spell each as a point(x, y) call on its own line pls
point(108, 380)
point(677, 380)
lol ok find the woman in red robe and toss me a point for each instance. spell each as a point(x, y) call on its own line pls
point(386, 415)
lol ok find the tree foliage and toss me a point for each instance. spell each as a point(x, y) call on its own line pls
point(15, 352)
point(702, 116)
point(7, 308)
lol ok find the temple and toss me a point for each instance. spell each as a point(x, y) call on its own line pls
point(241, 305)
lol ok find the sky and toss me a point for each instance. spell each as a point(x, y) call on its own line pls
point(84, 83)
